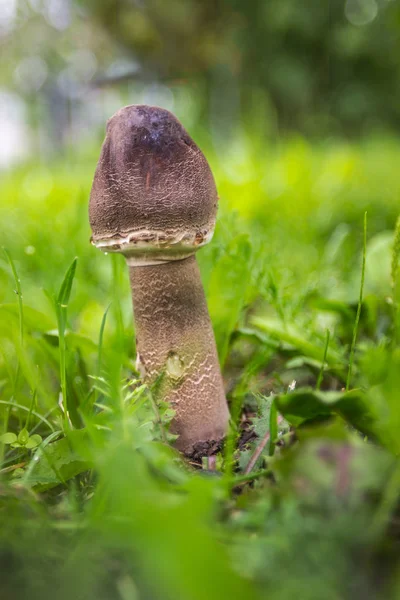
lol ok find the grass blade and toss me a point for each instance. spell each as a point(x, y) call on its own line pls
point(61, 309)
point(18, 291)
point(101, 336)
point(66, 286)
point(394, 277)
point(357, 320)
point(273, 428)
point(321, 373)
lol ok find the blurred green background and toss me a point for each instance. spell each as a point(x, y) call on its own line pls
point(325, 69)
point(296, 106)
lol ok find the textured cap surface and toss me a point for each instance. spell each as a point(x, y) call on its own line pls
point(153, 194)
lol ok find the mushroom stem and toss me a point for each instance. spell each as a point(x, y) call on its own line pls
point(176, 348)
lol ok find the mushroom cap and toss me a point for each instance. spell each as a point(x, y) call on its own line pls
point(153, 196)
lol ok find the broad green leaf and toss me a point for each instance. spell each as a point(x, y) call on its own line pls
point(8, 438)
point(34, 441)
point(306, 404)
point(23, 436)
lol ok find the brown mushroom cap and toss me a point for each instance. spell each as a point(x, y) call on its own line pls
point(153, 196)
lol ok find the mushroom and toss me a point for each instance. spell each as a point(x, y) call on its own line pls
point(154, 200)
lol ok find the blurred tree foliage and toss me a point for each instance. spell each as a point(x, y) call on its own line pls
point(324, 65)
point(318, 66)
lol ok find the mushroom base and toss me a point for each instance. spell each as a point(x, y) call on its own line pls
point(176, 348)
point(202, 449)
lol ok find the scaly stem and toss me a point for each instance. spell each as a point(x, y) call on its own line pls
point(176, 351)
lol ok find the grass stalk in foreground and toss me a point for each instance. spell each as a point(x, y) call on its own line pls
point(321, 372)
point(61, 310)
point(394, 277)
point(356, 322)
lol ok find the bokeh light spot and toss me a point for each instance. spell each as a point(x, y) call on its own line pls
point(360, 12)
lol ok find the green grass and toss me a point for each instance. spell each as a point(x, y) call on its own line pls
point(94, 501)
